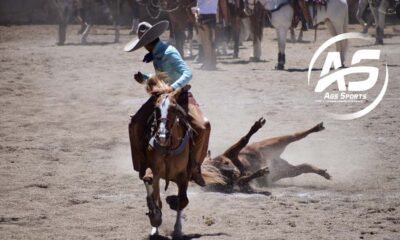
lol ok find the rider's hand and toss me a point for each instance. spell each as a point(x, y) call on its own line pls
point(139, 77)
point(148, 57)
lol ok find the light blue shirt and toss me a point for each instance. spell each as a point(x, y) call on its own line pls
point(167, 59)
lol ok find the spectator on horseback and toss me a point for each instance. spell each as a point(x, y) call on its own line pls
point(166, 59)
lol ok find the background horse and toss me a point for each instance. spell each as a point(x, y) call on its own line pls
point(168, 155)
point(83, 10)
point(335, 15)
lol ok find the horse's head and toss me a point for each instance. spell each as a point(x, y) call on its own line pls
point(167, 116)
point(249, 7)
point(224, 165)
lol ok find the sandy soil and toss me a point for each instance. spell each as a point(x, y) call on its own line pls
point(66, 173)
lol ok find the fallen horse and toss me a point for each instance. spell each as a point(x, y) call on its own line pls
point(259, 161)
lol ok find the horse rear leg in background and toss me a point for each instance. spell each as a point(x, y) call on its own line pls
point(337, 24)
point(282, 20)
point(65, 12)
point(257, 27)
point(379, 13)
point(190, 39)
point(283, 169)
point(153, 200)
point(178, 203)
point(116, 15)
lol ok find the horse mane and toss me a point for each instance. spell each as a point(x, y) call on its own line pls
point(157, 81)
point(212, 175)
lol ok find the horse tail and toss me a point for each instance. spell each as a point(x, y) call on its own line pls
point(212, 175)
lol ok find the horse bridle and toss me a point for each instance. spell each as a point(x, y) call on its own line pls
point(180, 116)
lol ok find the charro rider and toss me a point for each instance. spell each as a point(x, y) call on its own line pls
point(166, 59)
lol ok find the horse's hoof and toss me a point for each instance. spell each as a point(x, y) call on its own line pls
point(325, 174)
point(177, 235)
point(155, 217)
point(320, 127)
point(154, 232)
point(173, 202)
point(155, 214)
point(279, 66)
point(254, 59)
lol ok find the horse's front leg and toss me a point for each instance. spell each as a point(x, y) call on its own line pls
point(256, 47)
point(178, 203)
point(86, 33)
point(281, 33)
point(300, 36)
point(190, 40)
point(153, 200)
point(292, 35)
point(236, 36)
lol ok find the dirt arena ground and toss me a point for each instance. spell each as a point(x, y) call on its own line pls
point(66, 173)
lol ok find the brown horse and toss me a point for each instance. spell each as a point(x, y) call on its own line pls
point(262, 161)
point(233, 11)
point(168, 155)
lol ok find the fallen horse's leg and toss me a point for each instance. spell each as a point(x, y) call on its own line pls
point(246, 179)
point(233, 152)
point(286, 170)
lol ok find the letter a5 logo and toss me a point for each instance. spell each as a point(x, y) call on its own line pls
point(333, 60)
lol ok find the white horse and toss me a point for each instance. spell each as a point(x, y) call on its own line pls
point(335, 15)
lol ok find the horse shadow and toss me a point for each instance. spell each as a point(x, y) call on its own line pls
point(301, 69)
point(189, 236)
point(235, 62)
point(298, 41)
